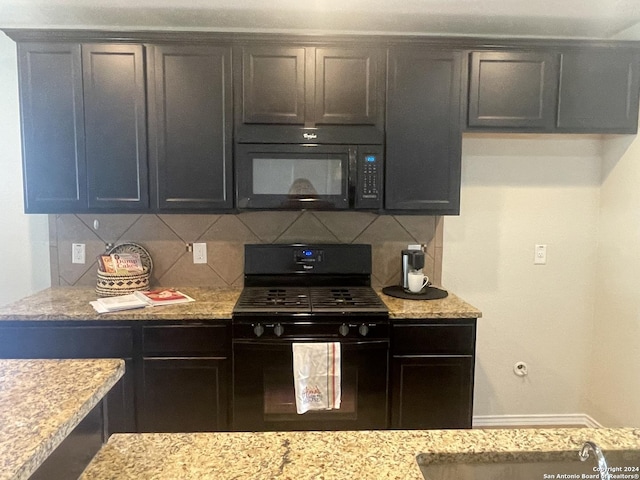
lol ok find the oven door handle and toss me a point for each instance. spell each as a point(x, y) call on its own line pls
point(344, 342)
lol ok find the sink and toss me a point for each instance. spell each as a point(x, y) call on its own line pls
point(525, 465)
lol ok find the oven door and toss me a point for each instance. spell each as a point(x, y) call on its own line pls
point(263, 388)
point(292, 176)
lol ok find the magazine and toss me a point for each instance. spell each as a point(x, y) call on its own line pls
point(163, 296)
point(118, 303)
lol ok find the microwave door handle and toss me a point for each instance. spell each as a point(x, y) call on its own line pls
point(352, 176)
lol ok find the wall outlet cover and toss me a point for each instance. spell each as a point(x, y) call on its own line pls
point(78, 253)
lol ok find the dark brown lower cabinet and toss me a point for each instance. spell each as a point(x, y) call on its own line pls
point(431, 392)
point(432, 372)
point(183, 395)
point(183, 376)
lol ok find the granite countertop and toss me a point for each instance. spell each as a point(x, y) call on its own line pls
point(72, 303)
point(41, 402)
point(326, 455)
point(451, 306)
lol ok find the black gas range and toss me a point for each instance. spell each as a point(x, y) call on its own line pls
point(308, 293)
point(308, 288)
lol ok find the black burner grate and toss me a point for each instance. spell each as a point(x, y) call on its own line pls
point(344, 298)
point(309, 300)
point(267, 299)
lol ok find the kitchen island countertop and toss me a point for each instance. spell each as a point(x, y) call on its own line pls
point(41, 402)
point(325, 455)
point(72, 303)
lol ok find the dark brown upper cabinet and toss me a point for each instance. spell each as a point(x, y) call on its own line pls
point(588, 89)
point(273, 85)
point(51, 103)
point(423, 131)
point(599, 91)
point(347, 87)
point(115, 126)
point(190, 127)
point(302, 86)
point(513, 89)
point(84, 127)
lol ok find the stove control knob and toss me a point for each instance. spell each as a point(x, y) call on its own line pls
point(278, 329)
point(258, 330)
point(344, 329)
point(363, 330)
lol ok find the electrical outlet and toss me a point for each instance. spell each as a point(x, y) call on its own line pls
point(77, 253)
point(199, 253)
point(540, 255)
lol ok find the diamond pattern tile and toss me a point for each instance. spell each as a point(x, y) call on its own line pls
point(111, 227)
point(225, 246)
point(387, 239)
point(268, 226)
point(164, 246)
point(72, 230)
point(345, 226)
point(306, 229)
point(166, 236)
point(422, 228)
point(185, 273)
point(189, 227)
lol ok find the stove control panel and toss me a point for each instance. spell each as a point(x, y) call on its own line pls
point(293, 330)
point(307, 256)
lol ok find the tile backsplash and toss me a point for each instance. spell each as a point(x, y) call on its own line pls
point(166, 237)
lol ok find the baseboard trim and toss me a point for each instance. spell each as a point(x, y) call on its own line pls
point(510, 421)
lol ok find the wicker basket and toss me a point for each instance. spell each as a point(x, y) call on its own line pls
point(114, 284)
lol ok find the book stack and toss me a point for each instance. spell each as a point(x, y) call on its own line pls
point(140, 299)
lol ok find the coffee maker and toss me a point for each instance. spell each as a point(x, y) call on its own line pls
point(411, 260)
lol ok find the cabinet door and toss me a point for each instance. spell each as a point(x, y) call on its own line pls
point(183, 395)
point(190, 127)
point(431, 392)
point(115, 126)
point(348, 88)
point(273, 85)
point(28, 341)
point(599, 91)
point(52, 127)
point(423, 134)
point(513, 90)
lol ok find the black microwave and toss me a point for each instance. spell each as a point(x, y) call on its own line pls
point(309, 176)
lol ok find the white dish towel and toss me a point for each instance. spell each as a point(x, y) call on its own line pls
point(316, 374)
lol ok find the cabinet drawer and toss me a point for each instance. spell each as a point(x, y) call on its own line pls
point(65, 342)
point(185, 339)
point(433, 339)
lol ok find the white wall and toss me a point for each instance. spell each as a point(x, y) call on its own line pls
point(614, 387)
point(519, 190)
point(24, 239)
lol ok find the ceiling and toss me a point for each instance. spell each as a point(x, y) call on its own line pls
point(598, 19)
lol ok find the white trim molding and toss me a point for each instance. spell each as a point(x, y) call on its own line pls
point(511, 421)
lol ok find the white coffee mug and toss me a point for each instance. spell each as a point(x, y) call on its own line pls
point(417, 281)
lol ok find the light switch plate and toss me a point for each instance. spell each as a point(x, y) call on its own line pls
point(199, 253)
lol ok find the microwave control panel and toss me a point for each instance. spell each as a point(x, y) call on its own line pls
point(369, 191)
